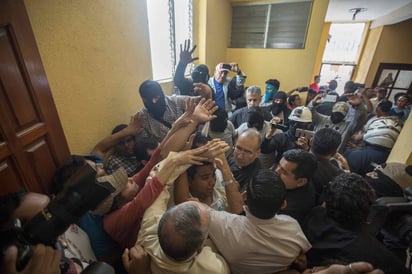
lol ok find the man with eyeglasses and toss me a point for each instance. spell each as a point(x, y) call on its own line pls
point(245, 161)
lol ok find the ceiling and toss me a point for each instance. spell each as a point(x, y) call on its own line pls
point(380, 12)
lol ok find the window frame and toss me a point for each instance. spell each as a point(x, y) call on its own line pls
point(253, 28)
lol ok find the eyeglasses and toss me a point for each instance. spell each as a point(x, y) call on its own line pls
point(244, 151)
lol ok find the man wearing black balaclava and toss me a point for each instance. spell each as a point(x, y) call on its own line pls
point(279, 108)
point(337, 120)
point(160, 111)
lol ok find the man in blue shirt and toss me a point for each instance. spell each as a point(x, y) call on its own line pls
point(228, 90)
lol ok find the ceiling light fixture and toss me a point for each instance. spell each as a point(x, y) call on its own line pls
point(355, 11)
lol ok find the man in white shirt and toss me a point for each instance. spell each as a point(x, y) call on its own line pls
point(262, 241)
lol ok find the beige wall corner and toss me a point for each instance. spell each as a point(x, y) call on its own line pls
point(367, 54)
point(217, 32)
point(95, 54)
point(394, 47)
point(402, 150)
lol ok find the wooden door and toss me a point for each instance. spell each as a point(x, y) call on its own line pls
point(32, 142)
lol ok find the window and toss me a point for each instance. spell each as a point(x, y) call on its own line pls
point(277, 25)
point(170, 23)
point(341, 53)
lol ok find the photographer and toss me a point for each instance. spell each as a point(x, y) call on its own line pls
point(338, 230)
point(24, 206)
point(44, 260)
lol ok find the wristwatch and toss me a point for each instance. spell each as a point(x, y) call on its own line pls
point(228, 182)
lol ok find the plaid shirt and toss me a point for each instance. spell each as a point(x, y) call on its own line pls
point(175, 107)
point(131, 164)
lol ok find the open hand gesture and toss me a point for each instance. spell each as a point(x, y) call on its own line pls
point(136, 123)
point(203, 111)
point(186, 53)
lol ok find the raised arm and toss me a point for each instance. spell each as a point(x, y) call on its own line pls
point(182, 83)
point(188, 122)
point(234, 198)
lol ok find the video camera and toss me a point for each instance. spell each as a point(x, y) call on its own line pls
point(81, 193)
point(391, 220)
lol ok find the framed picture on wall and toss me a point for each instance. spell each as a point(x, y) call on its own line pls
point(395, 77)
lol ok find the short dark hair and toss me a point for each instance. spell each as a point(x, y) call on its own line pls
point(349, 87)
point(118, 128)
point(348, 199)
point(142, 146)
point(191, 171)
point(265, 194)
point(326, 141)
point(292, 98)
point(402, 94)
point(200, 140)
point(180, 231)
point(385, 105)
point(220, 123)
point(255, 118)
point(273, 82)
point(305, 161)
point(65, 171)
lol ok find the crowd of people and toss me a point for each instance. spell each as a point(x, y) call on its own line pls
point(225, 178)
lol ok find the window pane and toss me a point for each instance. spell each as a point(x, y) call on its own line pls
point(340, 73)
point(404, 79)
point(248, 26)
point(182, 25)
point(288, 25)
point(158, 15)
point(344, 42)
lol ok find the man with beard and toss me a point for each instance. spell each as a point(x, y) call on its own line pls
point(279, 108)
point(160, 111)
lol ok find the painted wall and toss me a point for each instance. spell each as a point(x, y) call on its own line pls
point(402, 150)
point(367, 55)
point(292, 67)
point(216, 31)
point(394, 47)
point(95, 53)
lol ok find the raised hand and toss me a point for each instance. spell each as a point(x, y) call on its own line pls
point(317, 99)
point(203, 111)
point(185, 118)
point(303, 143)
point(216, 149)
point(192, 156)
point(186, 53)
point(136, 124)
point(203, 90)
point(234, 67)
point(136, 260)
